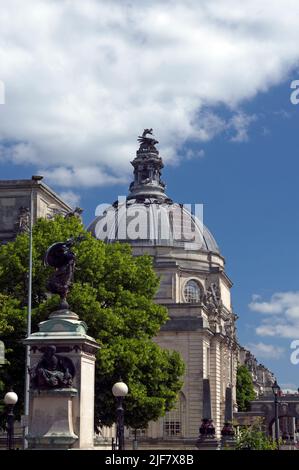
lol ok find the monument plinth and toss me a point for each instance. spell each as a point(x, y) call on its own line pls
point(62, 360)
point(62, 369)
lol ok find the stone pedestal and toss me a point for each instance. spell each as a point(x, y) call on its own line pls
point(207, 439)
point(63, 417)
point(228, 442)
point(52, 426)
point(207, 434)
point(208, 443)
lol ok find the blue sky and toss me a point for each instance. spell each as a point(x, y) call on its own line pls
point(79, 91)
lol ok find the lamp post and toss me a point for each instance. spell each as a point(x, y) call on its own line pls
point(10, 400)
point(276, 390)
point(120, 390)
point(36, 179)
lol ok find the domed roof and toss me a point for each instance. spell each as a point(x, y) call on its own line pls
point(153, 224)
point(148, 216)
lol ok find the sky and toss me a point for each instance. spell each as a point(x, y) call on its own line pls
point(81, 80)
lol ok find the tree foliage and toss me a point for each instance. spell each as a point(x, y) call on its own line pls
point(12, 328)
point(253, 437)
point(245, 390)
point(113, 293)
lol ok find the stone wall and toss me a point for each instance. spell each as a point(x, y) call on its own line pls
point(15, 195)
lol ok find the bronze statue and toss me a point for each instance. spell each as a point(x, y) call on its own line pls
point(147, 131)
point(63, 259)
point(52, 371)
point(145, 141)
point(74, 213)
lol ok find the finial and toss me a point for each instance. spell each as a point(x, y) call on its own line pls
point(147, 141)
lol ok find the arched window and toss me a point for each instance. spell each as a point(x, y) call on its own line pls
point(192, 291)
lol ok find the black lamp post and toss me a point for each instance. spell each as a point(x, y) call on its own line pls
point(120, 390)
point(276, 390)
point(10, 400)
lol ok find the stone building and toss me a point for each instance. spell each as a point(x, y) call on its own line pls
point(15, 202)
point(193, 286)
point(262, 377)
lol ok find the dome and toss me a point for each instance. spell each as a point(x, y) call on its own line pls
point(147, 216)
point(153, 224)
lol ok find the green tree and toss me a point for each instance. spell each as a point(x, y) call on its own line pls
point(245, 390)
point(252, 437)
point(113, 293)
point(12, 326)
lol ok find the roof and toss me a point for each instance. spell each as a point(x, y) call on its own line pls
point(153, 224)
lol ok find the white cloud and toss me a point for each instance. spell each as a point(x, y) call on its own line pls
point(289, 388)
point(190, 154)
point(282, 113)
point(80, 176)
point(70, 198)
point(240, 123)
point(265, 351)
point(83, 78)
point(281, 314)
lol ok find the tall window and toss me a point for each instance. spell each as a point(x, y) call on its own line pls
point(173, 419)
point(192, 292)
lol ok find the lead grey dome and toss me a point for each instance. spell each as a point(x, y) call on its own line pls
point(152, 224)
point(148, 217)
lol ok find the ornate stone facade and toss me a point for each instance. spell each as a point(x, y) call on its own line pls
point(193, 286)
point(15, 196)
point(263, 378)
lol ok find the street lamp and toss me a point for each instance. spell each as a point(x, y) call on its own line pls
point(35, 179)
point(120, 390)
point(276, 390)
point(10, 400)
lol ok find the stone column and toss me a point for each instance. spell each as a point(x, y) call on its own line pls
point(215, 383)
point(291, 428)
point(62, 358)
point(228, 433)
point(207, 439)
point(294, 429)
point(285, 428)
